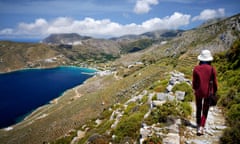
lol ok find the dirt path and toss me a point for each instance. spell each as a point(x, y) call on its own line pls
point(77, 94)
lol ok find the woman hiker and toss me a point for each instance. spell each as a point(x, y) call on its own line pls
point(200, 82)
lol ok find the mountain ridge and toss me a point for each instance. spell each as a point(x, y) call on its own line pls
point(64, 38)
point(130, 74)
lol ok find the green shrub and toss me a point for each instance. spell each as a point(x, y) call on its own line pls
point(153, 140)
point(233, 55)
point(160, 86)
point(145, 99)
point(186, 70)
point(131, 108)
point(186, 88)
point(230, 97)
point(128, 127)
point(233, 115)
point(186, 109)
point(106, 125)
point(105, 114)
point(66, 139)
point(231, 135)
point(154, 97)
point(162, 113)
point(227, 64)
point(130, 123)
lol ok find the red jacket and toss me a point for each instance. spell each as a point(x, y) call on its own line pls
point(201, 78)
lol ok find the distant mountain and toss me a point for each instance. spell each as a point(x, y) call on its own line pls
point(66, 38)
point(162, 34)
point(124, 44)
point(155, 35)
point(135, 43)
point(212, 21)
point(73, 38)
point(88, 112)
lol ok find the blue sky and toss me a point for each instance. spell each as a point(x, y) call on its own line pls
point(106, 18)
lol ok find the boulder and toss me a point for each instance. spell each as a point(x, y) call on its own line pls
point(180, 95)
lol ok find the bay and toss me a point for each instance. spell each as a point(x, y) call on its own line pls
point(23, 91)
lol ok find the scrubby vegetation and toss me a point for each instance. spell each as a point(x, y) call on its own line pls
point(229, 90)
point(160, 86)
point(171, 109)
point(131, 121)
point(187, 89)
point(136, 46)
point(128, 127)
point(109, 93)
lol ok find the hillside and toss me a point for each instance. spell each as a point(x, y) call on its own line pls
point(154, 35)
point(14, 56)
point(74, 49)
point(70, 39)
point(113, 107)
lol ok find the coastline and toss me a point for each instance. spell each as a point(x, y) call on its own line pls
point(39, 112)
point(36, 114)
point(40, 68)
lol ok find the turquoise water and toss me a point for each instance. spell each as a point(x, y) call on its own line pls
point(23, 91)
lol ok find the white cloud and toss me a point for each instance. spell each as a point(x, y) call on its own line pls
point(7, 31)
point(95, 28)
point(170, 22)
point(209, 14)
point(143, 6)
point(35, 29)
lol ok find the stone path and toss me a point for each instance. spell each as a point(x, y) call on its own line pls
point(214, 126)
point(213, 130)
point(174, 133)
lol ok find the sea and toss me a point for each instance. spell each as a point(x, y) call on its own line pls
point(23, 91)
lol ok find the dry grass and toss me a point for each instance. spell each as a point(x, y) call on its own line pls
point(68, 113)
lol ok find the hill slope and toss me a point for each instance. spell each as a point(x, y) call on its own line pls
point(88, 108)
point(16, 56)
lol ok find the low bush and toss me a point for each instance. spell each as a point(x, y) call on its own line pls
point(233, 114)
point(187, 89)
point(185, 109)
point(65, 139)
point(231, 135)
point(153, 140)
point(228, 65)
point(128, 127)
point(170, 109)
point(132, 107)
point(160, 86)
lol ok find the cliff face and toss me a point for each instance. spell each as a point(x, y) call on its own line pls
point(85, 107)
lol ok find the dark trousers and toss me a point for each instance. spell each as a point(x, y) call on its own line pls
point(202, 106)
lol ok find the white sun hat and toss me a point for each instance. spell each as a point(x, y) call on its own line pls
point(205, 56)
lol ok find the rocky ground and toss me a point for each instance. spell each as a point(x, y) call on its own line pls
point(180, 131)
point(213, 129)
point(187, 135)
